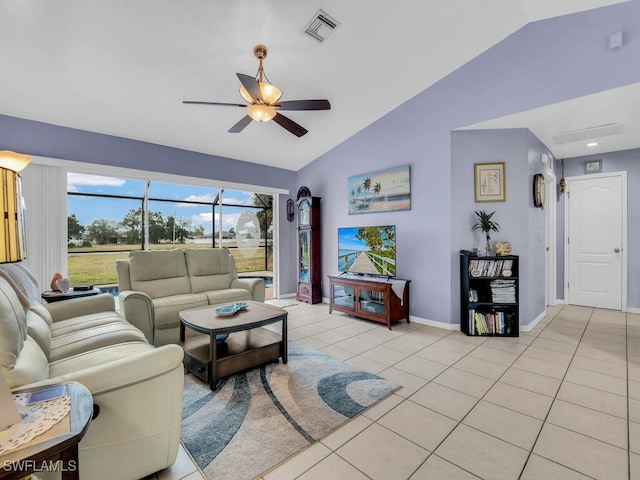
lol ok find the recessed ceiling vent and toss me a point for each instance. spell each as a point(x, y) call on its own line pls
point(320, 27)
point(589, 133)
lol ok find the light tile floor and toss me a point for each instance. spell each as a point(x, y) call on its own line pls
point(559, 402)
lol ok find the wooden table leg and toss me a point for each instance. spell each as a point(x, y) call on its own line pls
point(69, 457)
point(284, 340)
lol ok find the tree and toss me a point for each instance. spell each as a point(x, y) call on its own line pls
point(198, 232)
point(132, 222)
point(177, 228)
point(157, 228)
point(265, 215)
point(74, 229)
point(101, 230)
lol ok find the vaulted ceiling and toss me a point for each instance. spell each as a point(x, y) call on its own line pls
point(123, 68)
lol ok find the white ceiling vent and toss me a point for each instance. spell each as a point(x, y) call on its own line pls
point(320, 27)
point(589, 133)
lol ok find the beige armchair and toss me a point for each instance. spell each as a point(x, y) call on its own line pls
point(136, 387)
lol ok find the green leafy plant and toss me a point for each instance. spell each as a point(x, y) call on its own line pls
point(487, 225)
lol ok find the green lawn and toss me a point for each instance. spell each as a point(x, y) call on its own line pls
point(99, 268)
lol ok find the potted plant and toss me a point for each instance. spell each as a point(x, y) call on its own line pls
point(487, 225)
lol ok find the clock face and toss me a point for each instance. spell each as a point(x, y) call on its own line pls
point(538, 190)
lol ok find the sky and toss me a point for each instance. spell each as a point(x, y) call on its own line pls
point(88, 209)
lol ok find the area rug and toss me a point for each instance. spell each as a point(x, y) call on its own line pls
point(260, 417)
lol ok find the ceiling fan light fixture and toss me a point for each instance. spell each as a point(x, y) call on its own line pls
point(261, 113)
point(270, 93)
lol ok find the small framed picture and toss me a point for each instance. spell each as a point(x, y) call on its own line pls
point(489, 182)
point(593, 166)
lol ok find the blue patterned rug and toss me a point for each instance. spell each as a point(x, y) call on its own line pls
point(260, 417)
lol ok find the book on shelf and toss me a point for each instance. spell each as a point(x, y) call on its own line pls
point(491, 323)
point(489, 268)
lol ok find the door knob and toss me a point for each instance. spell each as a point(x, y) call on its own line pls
point(617, 250)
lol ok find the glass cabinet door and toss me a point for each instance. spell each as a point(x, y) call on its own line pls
point(305, 257)
point(372, 301)
point(343, 296)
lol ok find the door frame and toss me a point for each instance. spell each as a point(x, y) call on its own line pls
point(551, 268)
point(623, 175)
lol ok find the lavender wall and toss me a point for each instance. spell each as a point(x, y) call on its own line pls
point(520, 223)
point(629, 161)
point(543, 63)
point(41, 139)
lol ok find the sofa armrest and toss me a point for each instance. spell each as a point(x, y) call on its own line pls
point(254, 285)
point(137, 308)
point(77, 307)
point(139, 405)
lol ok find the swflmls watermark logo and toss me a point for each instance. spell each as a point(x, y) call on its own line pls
point(44, 466)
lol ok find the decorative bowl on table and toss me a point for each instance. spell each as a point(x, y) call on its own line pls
point(226, 310)
point(241, 305)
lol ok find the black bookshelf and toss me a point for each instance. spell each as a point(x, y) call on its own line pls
point(489, 299)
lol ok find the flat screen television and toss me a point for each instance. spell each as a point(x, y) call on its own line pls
point(367, 250)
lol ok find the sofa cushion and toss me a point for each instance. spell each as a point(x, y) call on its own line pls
point(39, 330)
point(30, 366)
point(23, 283)
point(42, 311)
point(166, 308)
point(159, 273)
point(70, 325)
point(81, 341)
point(99, 356)
point(209, 269)
point(225, 296)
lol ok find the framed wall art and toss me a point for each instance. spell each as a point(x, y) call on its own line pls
point(382, 191)
point(489, 182)
point(592, 166)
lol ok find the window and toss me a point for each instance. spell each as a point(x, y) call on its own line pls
point(108, 217)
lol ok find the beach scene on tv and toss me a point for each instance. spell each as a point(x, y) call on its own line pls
point(367, 250)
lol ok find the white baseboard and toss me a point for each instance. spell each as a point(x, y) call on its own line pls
point(434, 323)
point(532, 325)
point(633, 310)
point(287, 295)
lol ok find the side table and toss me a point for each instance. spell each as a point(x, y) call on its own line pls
point(33, 458)
point(50, 296)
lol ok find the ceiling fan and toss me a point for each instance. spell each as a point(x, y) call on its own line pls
point(263, 98)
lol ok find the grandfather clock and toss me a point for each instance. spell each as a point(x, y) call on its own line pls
point(309, 269)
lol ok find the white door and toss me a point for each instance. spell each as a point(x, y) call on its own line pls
point(595, 240)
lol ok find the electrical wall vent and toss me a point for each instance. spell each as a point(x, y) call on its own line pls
point(589, 133)
point(320, 27)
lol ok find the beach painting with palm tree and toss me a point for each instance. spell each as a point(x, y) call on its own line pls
point(383, 191)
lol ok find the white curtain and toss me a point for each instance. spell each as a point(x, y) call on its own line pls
point(45, 194)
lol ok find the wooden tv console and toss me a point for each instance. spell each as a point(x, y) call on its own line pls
point(372, 298)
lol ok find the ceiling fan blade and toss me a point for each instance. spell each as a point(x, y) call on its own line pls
point(293, 127)
point(304, 105)
point(195, 102)
point(238, 127)
point(251, 86)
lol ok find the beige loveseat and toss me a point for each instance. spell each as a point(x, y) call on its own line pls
point(155, 285)
point(136, 387)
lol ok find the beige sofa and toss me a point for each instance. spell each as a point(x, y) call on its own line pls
point(136, 387)
point(155, 285)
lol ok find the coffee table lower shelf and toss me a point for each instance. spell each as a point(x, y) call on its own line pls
point(241, 350)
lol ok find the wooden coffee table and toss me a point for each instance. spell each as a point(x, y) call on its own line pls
point(249, 343)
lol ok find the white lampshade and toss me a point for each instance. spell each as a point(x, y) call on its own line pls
point(9, 414)
point(261, 113)
point(270, 93)
point(12, 239)
point(13, 161)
